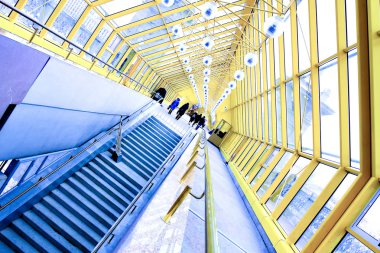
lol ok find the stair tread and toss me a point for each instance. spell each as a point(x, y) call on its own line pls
point(17, 242)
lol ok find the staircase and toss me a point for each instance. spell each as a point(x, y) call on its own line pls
point(77, 213)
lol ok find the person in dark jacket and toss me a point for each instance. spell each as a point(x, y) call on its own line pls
point(181, 111)
point(196, 119)
point(173, 105)
point(192, 117)
point(159, 95)
point(201, 123)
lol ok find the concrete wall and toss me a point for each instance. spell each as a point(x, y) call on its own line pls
point(64, 106)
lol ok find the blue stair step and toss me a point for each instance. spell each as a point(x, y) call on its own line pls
point(164, 129)
point(137, 160)
point(15, 241)
point(138, 139)
point(167, 142)
point(154, 155)
point(4, 248)
point(164, 148)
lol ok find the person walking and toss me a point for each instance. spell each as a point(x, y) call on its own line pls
point(173, 105)
point(181, 111)
point(159, 95)
point(201, 123)
point(196, 119)
point(192, 117)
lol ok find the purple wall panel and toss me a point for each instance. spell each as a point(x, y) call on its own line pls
point(20, 65)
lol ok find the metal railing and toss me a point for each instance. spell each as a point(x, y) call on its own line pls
point(200, 152)
point(94, 57)
point(95, 142)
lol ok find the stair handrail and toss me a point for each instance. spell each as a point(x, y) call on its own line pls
point(212, 243)
point(109, 235)
point(69, 42)
point(97, 140)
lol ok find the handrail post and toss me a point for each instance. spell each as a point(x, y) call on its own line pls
point(117, 155)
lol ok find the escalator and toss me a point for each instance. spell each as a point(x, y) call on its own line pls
point(75, 215)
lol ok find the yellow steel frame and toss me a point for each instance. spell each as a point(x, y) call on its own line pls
point(246, 113)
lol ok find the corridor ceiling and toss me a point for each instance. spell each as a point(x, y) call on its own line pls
point(147, 26)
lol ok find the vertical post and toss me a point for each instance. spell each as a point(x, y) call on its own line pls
point(117, 155)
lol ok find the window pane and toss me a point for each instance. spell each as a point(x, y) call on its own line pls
point(256, 162)
point(303, 34)
point(67, 18)
point(329, 110)
point(306, 114)
point(265, 165)
point(269, 116)
point(351, 244)
point(263, 123)
point(278, 115)
point(325, 211)
point(86, 30)
point(6, 11)
point(305, 197)
point(354, 108)
point(351, 22)
point(268, 63)
point(326, 26)
point(276, 60)
point(37, 9)
point(288, 47)
point(286, 183)
point(261, 71)
point(100, 39)
point(290, 114)
point(370, 223)
point(274, 173)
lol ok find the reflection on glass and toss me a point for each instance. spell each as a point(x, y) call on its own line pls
point(278, 116)
point(329, 110)
point(326, 25)
point(370, 223)
point(253, 155)
point(325, 211)
point(274, 173)
point(303, 34)
point(286, 183)
point(351, 244)
point(37, 9)
point(353, 87)
point(67, 19)
point(306, 114)
point(251, 147)
point(306, 196)
point(261, 71)
point(268, 63)
point(100, 39)
point(263, 123)
point(264, 166)
point(351, 22)
point(269, 117)
point(6, 11)
point(288, 46)
point(119, 55)
point(256, 162)
point(86, 30)
point(290, 114)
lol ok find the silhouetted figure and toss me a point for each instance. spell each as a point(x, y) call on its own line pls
point(181, 111)
point(173, 105)
point(159, 95)
point(197, 119)
point(192, 117)
point(201, 123)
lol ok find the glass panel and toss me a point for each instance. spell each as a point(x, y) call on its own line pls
point(100, 39)
point(329, 110)
point(351, 244)
point(303, 34)
point(115, 6)
point(306, 196)
point(136, 16)
point(268, 63)
point(325, 211)
point(278, 115)
point(353, 87)
point(263, 123)
point(290, 114)
point(276, 61)
point(257, 161)
point(6, 11)
point(37, 9)
point(257, 176)
point(306, 114)
point(253, 155)
point(269, 117)
point(114, 43)
point(67, 18)
point(326, 26)
point(370, 223)
point(86, 30)
point(274, 173)
point(288, 47)
point(286, 183)
point(261, 71)
point(351, 22)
